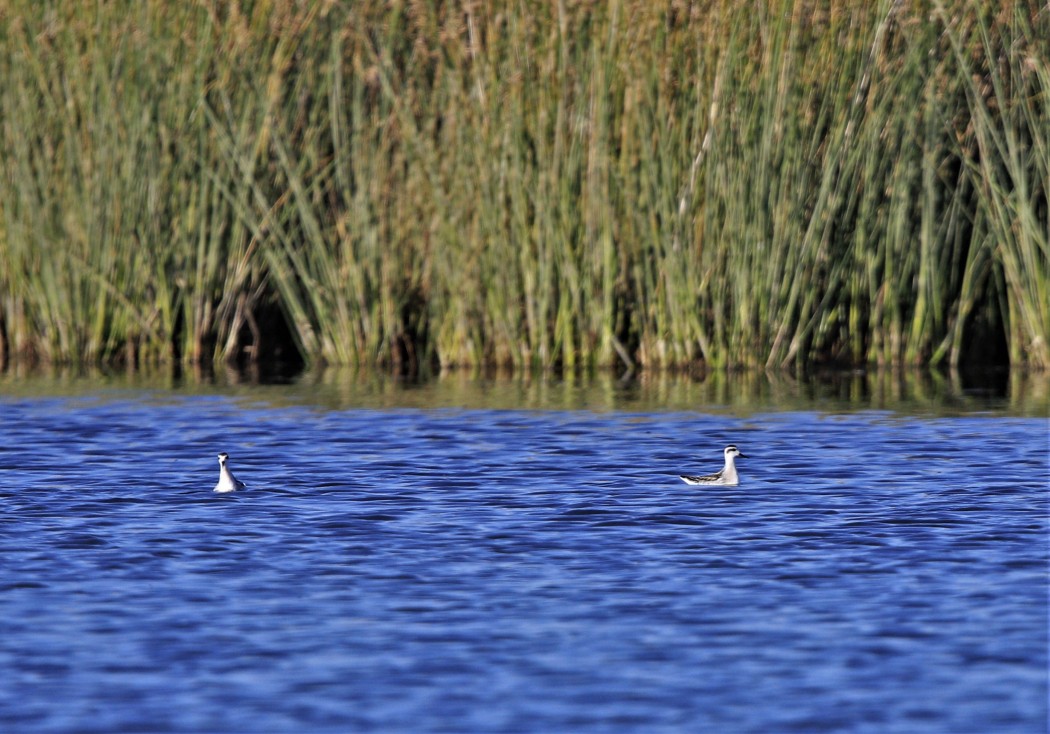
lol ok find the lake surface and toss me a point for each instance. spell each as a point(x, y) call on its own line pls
point(495, 568)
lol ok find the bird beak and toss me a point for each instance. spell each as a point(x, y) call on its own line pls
point(742, 456)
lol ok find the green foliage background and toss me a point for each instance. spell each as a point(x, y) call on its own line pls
point(530, 184)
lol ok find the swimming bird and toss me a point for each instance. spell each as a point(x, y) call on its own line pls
point(726, 477)
point(227, 482)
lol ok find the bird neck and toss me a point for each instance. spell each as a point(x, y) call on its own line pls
point(730, 467)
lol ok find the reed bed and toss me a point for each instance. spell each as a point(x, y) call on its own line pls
point(564, 184)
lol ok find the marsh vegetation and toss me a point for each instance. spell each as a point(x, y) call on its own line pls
point(567, 184)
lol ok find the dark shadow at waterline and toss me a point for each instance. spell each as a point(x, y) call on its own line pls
point(907, 391)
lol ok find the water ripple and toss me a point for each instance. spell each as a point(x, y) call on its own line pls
point(491, 570)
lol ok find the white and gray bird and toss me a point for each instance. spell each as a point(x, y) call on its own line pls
point(726, 477)
point(227, 482)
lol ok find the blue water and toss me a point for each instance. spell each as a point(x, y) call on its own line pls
point(499, 570)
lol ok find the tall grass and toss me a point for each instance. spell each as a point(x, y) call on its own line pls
point(1008, 99)
point(563, 184)
point(115, 240)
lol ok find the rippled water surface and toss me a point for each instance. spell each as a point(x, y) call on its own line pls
point(517, 570)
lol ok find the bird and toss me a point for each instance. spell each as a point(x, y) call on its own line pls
point(227, 482)
point(726, 477)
